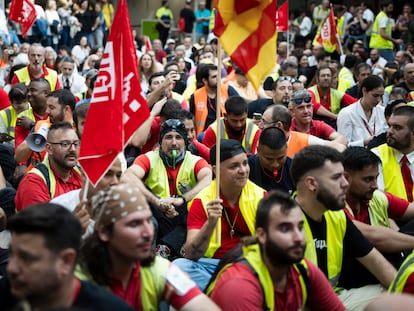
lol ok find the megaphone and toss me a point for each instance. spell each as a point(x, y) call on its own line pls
point(37, 140)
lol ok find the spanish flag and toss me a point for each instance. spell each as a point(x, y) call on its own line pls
point(247, 32)
point(326, 34)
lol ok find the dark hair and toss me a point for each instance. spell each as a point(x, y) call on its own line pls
point(235, 105)
point(155, 75)
point(389, 109)
point(312, 157)
point(282, 114)
point(274, 197)
point(385, 3)
point(45, 84)
point(203, 72)
point(372, 82)
point(398, 90)
point(61, 125)
point(323, 67)
point(65, 98)
point(357, 158)
point(171, 109)
point(360, 67)
point(169, 64)
point(59, 227)
point(350, 61)
point(186, 115)
point(406, 111)
point(18, 92)
point(288, 64)
point(80, 111)
point(272, 137)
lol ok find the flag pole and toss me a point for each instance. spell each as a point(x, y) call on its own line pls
point(218, 133)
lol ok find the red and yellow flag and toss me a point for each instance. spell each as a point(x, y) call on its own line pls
point(326, 34)
point(247, 32)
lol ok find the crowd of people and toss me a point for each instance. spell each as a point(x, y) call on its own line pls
point(314, 205)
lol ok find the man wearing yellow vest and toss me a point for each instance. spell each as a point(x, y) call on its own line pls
point(234, 125)
point(216, 225)
point(169, 178)
point(57, 174)
point(270, 273)
point(399, 148)
point(36, 69)
point(331, 236)
point(203, 101)
point(381, 37)
point(118, 255)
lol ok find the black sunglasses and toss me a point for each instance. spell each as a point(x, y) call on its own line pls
point(299, 101)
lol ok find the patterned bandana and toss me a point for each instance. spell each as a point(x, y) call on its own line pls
point(116, 202)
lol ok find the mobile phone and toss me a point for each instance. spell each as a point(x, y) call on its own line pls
point(257, 116)
point(182, 75)
point(4, 137)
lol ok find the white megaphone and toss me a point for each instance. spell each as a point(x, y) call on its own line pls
point(37, 140)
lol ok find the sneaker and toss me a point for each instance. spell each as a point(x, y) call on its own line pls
point(163, 251)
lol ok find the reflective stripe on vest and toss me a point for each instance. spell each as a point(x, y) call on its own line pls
point(378, 42)
point(406, 269)
point(157, 179)
point(200, 106)
point(24, 76)
point(9, 119)
point(249, 135)
point(335, 233)
point(248, 201)
point(391, 171)
point(335, 96)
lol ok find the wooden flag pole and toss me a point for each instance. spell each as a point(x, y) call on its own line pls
point(218, 133)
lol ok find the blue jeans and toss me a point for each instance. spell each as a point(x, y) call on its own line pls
point(388, 54)
point(200, 271)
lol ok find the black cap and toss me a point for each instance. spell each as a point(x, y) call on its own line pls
point(173, 125)
point(228, 149)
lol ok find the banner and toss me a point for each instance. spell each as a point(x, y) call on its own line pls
point(117, 107)
point(247, 32)
point(326, 34)
point(24, 13)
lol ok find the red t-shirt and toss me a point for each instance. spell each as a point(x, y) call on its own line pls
point(4, 99)
point(32, 189)
point(202, 150)
point(144, 162)
point(238, 289)
point(153, 135)
point(210, 139)
point(318, 128)
point(197, 217)
point(396, 209)
point(173, 296)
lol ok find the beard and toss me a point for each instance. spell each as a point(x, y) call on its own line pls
point(399, 145)
point(280, 256)
point(325, 197)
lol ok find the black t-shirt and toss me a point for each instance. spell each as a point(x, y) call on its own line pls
point(353, 91)
point(258, 106)
point(87, 19)
point(265, 179)
point(91, 297)
point(355, 245)
point(189, 18)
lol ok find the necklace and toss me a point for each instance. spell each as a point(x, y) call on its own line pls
point(230, 224)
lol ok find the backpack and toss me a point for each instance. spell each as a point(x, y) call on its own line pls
point(181, 24)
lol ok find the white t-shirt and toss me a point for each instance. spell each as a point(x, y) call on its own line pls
point(368, 15)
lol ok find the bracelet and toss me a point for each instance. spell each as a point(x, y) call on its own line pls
point(184, 199)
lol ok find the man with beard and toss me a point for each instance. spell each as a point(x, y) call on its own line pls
point(216, 225)
point(270, 167)
point(271, 274)
point(330, 235)
point(169, 178)
point(60, 106)
point(234, 125)
point(118, 255)
point(397, 155)
point(57, 174)
point(36, 69)
point(70, 79)
point(44, 246)
point(203, 101)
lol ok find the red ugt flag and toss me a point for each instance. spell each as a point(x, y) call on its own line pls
point(24, 13)
point(282, 17)
point(117, 107)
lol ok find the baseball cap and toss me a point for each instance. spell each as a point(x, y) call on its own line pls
point(228, 149)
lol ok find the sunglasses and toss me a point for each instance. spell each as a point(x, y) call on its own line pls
point(286, 78)
point(299, 101)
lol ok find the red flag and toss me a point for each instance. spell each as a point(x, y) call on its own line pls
point(247, 32)
point(326, 34)
point(117, 107)
point(282, 17)
point(148, 45)
point(24, 13)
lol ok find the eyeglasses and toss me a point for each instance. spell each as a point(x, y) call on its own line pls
point(66, 144)
point(299, 101)
point(262, 121)
point(286, 78)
